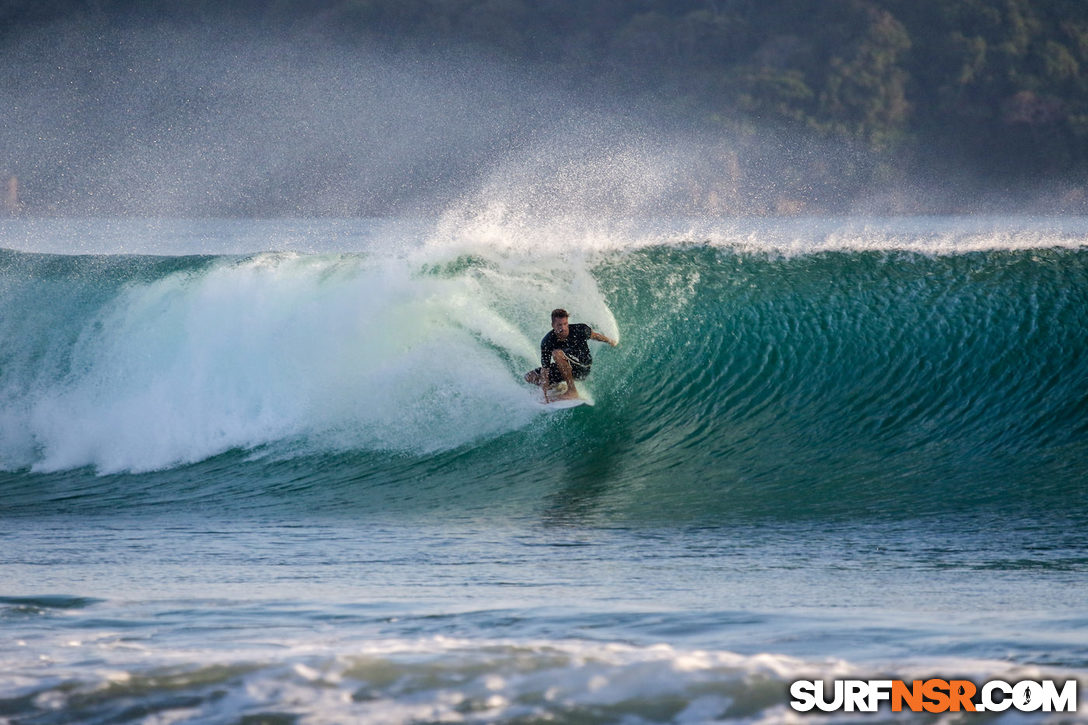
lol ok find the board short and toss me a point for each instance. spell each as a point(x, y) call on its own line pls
point(554, 375)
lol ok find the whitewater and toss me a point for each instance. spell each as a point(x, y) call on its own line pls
point(288, 470)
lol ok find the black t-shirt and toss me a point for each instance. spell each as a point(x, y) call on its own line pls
point(576, 346)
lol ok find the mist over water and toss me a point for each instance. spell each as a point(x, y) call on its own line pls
point(164, 121)
point(141, 119)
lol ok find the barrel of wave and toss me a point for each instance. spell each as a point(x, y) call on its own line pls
point(328, 352)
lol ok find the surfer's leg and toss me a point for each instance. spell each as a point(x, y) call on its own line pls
point(541, 376)
point(565, 370)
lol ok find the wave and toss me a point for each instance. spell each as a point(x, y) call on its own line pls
point(745, 379)
point(138, 365)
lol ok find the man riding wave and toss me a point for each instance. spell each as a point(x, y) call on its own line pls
point(564, 357)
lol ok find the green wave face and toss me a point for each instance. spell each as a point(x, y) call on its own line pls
point(856, 380)
point(746, 383)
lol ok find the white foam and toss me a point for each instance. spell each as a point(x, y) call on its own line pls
point(334, 352)
point(446, 679)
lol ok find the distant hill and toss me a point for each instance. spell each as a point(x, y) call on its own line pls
point(992, 93)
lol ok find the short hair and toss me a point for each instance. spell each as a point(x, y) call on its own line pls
point(559, 313)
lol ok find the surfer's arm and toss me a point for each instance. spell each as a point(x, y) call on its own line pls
point(601, 338)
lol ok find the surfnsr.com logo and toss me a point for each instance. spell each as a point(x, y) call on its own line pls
point(934, 695)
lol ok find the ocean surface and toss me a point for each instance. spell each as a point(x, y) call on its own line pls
point(287, 471)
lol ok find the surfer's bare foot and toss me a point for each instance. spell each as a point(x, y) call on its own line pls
point(569, 395)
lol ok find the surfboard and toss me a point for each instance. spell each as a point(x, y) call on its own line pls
point(552, 404)
point(564, 404)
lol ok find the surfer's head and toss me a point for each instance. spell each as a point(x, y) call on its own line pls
point(560, 323)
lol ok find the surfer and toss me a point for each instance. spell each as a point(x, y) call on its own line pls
point(564, 356)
